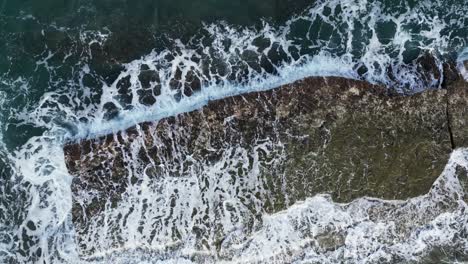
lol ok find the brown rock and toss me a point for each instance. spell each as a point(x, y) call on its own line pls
point(333, 135)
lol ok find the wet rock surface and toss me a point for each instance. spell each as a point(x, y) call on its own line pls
point(458, 113)
point(319, 135)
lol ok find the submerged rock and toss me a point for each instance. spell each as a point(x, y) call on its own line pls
point(220, 168)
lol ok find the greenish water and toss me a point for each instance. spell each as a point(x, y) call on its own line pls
point(137, 27)
point(31, 29)
point(76, 69)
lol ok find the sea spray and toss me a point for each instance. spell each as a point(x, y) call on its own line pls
point(357, 39)
point(462, 61)
point(60, 90)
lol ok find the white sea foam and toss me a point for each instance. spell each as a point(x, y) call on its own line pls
point(288, 236)
point(323, 66)
point(366, 230)
point(230, 60)
point(462, 63)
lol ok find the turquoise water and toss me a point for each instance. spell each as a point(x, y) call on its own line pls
point(75, 69)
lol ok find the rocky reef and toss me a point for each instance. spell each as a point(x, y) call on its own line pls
point(263, 151)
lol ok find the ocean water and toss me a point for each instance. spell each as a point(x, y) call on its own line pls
point(71, 70)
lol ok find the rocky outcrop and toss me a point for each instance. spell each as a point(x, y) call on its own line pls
point(318, 135)
point(457, 113)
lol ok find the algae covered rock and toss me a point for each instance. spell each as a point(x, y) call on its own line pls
point(220, 168)
point(458, 113)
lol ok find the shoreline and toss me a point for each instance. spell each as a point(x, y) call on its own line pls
point(339, 136)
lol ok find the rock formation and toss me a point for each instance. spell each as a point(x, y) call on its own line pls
point(318, 135)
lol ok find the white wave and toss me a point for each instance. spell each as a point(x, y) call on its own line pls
point(462, 61)
point(289, 235)
point(322, 66)
point(366, 230)
point(226, 60)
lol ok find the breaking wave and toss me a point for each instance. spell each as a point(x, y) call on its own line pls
point(403, 46)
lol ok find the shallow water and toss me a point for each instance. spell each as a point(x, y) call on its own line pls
point(77, 69)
